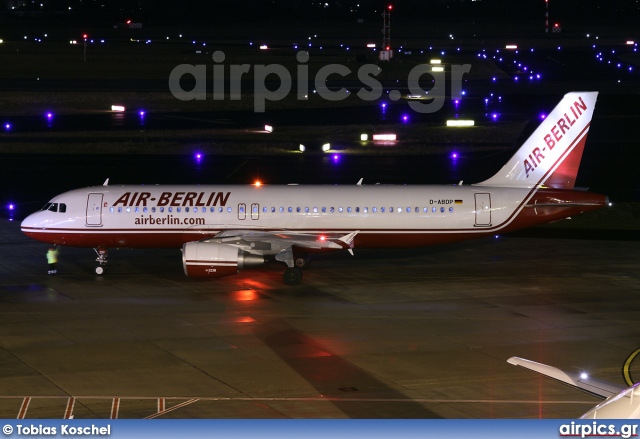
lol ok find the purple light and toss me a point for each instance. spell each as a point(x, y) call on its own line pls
point(198, 156)
point(494, 116)
point(336, 157)
point(49, 115)
point(543, 116)
point(384, 105)
point(405, 118)
point(456, 101)
point(7, 126)
point(454, 155)
point(11, 206)
point(142, 113)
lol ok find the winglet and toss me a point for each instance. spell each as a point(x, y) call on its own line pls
point(584, 383)
point(348, 240)
point(359, 183)
point(551, 155)
point(106, 182)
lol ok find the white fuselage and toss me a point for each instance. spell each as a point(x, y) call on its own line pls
point(384, 216)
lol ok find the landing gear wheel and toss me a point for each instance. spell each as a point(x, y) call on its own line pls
point(292, 276)
point(301, 261)
point(99, 270)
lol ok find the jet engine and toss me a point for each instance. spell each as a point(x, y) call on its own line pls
point(206, 259)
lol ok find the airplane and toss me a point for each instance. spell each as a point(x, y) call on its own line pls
point(619, 403)
point(224, 229)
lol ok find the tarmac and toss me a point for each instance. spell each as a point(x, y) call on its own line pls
point(383, 334)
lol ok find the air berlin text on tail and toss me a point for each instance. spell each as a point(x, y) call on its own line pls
point(554, 135)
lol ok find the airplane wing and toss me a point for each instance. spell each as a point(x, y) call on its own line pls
point(580, 381)
point(274, 241)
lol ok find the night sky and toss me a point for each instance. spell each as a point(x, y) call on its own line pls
point(167, 11)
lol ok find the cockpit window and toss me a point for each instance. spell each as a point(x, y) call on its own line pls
point(52, 207)
point(55, 207)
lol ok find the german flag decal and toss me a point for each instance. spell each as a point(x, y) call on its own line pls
point(458, 202)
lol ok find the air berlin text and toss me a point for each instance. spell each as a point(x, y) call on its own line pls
point(554, 135)
point(174, 199)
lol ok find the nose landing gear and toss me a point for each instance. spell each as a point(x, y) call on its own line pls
point(101, 260)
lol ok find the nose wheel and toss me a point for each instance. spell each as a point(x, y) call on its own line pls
point(101, 260)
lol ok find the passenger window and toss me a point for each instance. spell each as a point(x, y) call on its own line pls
point(170, 209)
point(366, 209)
point(374, 209)
point(119, 209)
point(137, 209)
point(161, 209)
point(186, 209)
point(111, 209)
point(264, 209)
point(324, 209)
point(442, 209)
point(297, 209)
point(331, 209)
point(434, 210)
point(315, 210)
point(451, 209)
point(391, 209)
point(408, 210)
point(229, 209)
point(129, 209)
point(153, 210)
point(349, 209)
point(306, 209)
point(340, 209)
point(290, 209)
point(425, 209)
point(145, 209)
point(241, 209)
point(382, 209)
point(417, 210)
point(220, 209)
point(281, 209)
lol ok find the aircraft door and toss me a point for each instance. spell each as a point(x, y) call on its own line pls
point(242, 211)
point(94, 210)
point(255, 211)
point(483, 209)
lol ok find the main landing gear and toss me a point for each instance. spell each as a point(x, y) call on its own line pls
point(101, 260)
point(293, 274)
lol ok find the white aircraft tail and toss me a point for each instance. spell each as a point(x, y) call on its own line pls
point(551, 156)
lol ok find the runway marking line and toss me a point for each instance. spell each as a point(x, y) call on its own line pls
point(23, 408)
point(626, 374)
point(115, 408)
point(175, 407)
point(68, 412)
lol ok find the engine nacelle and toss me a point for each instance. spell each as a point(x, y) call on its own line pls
point(206, 259)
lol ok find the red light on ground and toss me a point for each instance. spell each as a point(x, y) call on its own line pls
point(556, 25)
point(85, 36)
point(388, 47)
point(390, 7)
point(257, 183)
point(128, 21)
